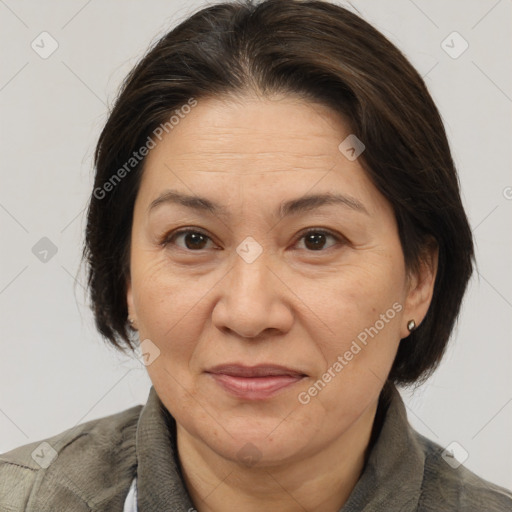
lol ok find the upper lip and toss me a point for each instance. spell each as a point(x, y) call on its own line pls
point(260, 370)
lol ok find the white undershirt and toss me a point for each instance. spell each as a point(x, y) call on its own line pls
point(130, 504)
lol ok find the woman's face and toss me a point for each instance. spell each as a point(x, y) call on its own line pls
point(274, 316)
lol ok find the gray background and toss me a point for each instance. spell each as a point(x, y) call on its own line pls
point(55, 371)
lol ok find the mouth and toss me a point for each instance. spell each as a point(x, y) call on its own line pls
point(254, 382)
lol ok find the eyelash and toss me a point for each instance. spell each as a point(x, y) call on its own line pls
point(168, 239)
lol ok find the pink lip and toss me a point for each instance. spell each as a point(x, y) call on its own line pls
point(254, 382)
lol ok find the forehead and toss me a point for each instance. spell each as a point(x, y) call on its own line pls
point(252, 146)
point(247, 132)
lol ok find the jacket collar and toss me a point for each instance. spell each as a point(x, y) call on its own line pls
point(160, 484)
point(393, 474)
point(391, 479)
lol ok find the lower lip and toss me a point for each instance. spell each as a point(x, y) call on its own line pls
point(255, 388)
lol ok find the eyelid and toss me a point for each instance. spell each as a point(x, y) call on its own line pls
point(166, 239)
point(340, 239)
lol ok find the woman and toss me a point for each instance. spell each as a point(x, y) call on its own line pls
point(276, 218)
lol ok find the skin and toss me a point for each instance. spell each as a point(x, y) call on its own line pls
point(293, 305)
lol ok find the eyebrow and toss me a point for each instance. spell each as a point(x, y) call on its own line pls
point(291, 207)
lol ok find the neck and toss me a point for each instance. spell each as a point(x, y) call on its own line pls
point(321, 481)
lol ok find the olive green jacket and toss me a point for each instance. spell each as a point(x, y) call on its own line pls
point(91, 467)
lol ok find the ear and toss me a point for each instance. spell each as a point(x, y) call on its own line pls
point(129, 300)
point(420, 287)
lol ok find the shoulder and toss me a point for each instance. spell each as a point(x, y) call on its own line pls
point(450, 484)
point(73, 465)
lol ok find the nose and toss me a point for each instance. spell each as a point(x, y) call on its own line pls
point(254, 301)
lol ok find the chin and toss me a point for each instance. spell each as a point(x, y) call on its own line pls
point(257, 450)
point(252, 439)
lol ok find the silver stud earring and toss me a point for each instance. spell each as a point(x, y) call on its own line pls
point(411, 325)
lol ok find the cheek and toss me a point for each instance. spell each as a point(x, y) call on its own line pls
point(354, 296)
point(360, 308)
point(171, 309)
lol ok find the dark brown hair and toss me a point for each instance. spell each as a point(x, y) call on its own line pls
point(322, 52)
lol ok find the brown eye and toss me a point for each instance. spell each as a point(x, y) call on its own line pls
point(315, 239)
point(192, 240)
